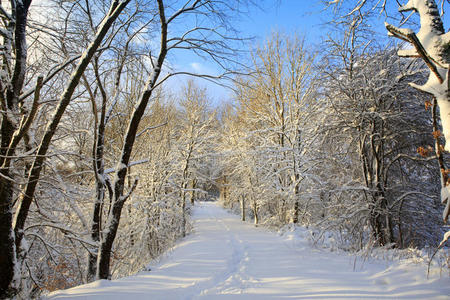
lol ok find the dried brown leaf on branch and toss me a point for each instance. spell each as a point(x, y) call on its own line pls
point(423, 152)
point(437, 134)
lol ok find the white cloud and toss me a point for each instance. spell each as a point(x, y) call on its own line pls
point(198, 67)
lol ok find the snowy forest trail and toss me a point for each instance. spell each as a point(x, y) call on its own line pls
point(224, 258)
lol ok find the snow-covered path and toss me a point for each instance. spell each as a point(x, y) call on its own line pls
point(225, 258)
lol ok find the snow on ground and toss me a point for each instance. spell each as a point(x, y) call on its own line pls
point(225, 258)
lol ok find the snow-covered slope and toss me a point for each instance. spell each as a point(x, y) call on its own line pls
point(227, 259)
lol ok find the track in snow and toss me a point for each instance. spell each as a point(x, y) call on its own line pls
point(225, 258)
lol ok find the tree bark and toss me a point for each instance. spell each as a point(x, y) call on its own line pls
point(431, 44)
point(8, 127)
point(109, 235)
point(11, 234)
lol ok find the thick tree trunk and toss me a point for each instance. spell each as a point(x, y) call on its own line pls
point(33, 179)
point(7, 245)
point(95, 231)
point(9, 241)
point(104, 253)
point(102, 182)
point(98, 204)
point(431, 43)
point(8, 257)
point(7, 238)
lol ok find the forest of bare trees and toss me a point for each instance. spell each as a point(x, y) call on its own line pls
point(101, 159)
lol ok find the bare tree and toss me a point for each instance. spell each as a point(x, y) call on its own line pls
point(12, 132)
point(271, 134)
point(14, 55)
point(193, 141)
point(431, 44)
point(210, 41)
point(126, 60)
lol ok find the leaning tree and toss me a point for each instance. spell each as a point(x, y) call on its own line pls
point(18, 111)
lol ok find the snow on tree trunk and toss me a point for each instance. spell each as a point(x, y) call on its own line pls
point(11, 89)
point(108, 237)
point(17, 223)
point(431, 44)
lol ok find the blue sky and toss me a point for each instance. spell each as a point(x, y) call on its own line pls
point(300, 16)
point(304, 17)
point(288, 16)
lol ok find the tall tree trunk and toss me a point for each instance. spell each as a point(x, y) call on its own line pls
point(19, 220)
point(96, 225)
point(102, 182)
point(8, 256)
point(98, 166)
point(17, 27)
point(109, 235)
point(431, 43)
